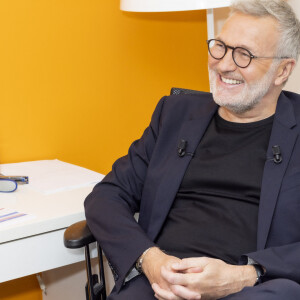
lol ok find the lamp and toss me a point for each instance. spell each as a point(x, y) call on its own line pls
point(176, 5)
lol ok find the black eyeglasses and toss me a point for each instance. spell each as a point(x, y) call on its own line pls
point(242, 57)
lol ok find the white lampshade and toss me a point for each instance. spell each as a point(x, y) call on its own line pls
point(170, 5)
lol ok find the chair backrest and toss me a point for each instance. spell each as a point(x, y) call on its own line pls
point(180, 91)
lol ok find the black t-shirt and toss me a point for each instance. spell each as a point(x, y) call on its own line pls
point(215, 211)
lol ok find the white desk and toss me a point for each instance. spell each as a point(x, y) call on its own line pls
point(37, 245)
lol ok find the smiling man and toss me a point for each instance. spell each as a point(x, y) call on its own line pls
point(215, 177)
point(243, 84)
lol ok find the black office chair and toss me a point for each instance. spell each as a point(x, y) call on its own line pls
point(78, 235)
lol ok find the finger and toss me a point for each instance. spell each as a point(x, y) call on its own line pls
point(159, 298)
point(187, 263)
point(194, 270)
point(175, 278)
point(184, 292)
point(163, 294)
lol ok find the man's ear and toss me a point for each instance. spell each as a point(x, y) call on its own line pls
point(284, 71)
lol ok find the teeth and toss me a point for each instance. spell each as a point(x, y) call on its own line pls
point(231, 81)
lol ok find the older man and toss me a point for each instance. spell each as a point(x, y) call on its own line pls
point(216, 179)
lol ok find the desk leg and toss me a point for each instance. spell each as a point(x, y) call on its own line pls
point(41, 283)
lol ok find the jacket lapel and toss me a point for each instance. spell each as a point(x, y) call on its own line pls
point(285, 137)
point(192, 132)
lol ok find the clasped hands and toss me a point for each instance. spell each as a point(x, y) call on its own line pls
point(194, 278)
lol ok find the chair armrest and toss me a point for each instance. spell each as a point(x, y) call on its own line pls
point(78, 235)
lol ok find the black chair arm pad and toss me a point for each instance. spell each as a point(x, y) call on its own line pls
point(78, 235)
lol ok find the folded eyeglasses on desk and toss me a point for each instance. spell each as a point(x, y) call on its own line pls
point(9, 184)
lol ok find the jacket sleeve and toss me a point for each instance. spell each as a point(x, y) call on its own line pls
point(111, 206)
point(279, 262)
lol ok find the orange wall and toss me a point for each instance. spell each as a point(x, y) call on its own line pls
point(26, 288)
point(80, 79)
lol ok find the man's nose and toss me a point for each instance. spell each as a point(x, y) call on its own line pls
point(226, 64)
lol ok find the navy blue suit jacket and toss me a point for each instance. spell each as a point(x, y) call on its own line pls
point(147, 180)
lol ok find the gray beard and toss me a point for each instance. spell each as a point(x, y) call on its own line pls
point(249, 97)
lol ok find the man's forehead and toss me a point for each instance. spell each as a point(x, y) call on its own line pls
point(250, 32)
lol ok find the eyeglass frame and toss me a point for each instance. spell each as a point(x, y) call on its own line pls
point(10, 189)
point(234, 48)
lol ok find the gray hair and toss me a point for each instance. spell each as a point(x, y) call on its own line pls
point(289, 25)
